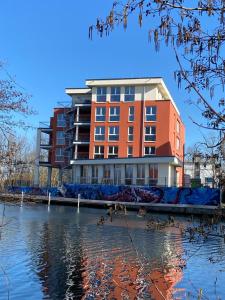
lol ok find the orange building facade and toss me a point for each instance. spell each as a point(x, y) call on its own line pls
point(122, 131)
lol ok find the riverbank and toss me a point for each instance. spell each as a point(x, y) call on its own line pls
point(151, 207)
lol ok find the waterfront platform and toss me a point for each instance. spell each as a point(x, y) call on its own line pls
point(151, 207)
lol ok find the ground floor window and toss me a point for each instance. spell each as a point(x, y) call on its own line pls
point(129, 174)
point(99, 152)
point(153, 174)
point(112, 151)
point(149, 151)
point(140, 175)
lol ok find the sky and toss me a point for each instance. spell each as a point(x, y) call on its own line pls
point(45, 46)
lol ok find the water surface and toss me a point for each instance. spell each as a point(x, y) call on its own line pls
point(62, 254)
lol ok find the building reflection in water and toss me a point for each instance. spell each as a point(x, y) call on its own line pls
point(85, 261)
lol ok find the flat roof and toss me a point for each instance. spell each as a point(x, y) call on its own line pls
point(122, 78)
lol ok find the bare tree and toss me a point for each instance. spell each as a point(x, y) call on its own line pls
point(196, 32)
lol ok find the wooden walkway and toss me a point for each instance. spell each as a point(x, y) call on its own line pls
point(155, 207)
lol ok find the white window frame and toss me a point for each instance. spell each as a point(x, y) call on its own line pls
point(114, 134)
point(130, 135)
point(99, 153)
point(59, 157)
point(114, 114)
point(99, 132)
point(60, 140)
point(131, 116)
point(101, 108)
point(151, 135)
point(115, 94)
point(129, 154)
point(101, 94)
point(150, 116)
point(61, 120)
point(149, 154)
point(113, 154)
point(129, 93)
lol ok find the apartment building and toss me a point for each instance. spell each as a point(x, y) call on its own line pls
point(116, 131)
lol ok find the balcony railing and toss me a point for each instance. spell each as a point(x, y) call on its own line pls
point(82, 155)
point(153, 182)
point(83, 119)
point(83, 138)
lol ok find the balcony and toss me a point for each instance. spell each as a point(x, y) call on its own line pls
point(82, 120)
point(82, 155)
point(45, 127)
point(82, 139)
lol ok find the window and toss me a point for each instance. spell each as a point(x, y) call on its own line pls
point(99, 152)
point(150, 113)
point(115, 94)
point(177, 144)
point(100, 114)
point(114, 114)
point(130, 134)
point(128, 174)
point(113, 151)
point(149, 151)
point(99, 133)
point(150, 133)
point(61, 121)
point(101, 94)
point(114, 133)
point(131, 114)
point(129, 93)
point(140, 174)
point(153, 174)
point(59, 154)
point(178, 127)
point(60, 138)
point(106, 172)
point(130, 151)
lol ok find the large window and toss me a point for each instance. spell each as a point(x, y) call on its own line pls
point(59, 154)
point(100, 114)
point(128, 174)
point(130, 151)
point(149, 151)
point(140, 174)
point(101, 94)
point(115, 94)
point(99, 152)
point(113, 133)
point(114, 114)
point(150, 113)
point(61, 121)
point(113, 151)
point(99, 133)
point(60, 138)
point(150, 133)
point(153, 174)
point(129, 93)
point(131, 114)
point(130, 133)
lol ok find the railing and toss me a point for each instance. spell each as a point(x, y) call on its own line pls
point(82, 155)
point(83, 138)
point(83, 119)
point(161, 181)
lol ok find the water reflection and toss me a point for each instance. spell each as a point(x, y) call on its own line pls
point(73, 258)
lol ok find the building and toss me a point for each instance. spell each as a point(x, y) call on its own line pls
point(116, 131)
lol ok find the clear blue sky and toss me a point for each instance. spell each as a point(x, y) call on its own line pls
point(46, 46)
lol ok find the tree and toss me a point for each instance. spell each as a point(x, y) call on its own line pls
point(207, 156)
point(196, 34)
point(14, 106)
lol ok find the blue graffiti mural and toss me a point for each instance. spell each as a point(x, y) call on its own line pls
point(173, 195)
point(163, 195)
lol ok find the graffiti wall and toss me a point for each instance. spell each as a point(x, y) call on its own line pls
point(173, 195)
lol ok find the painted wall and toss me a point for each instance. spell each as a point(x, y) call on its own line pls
point(197, 196)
